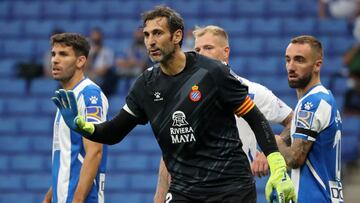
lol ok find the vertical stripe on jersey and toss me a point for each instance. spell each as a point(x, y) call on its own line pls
point(55, 176)
point(76, 141)
point(100, 185)
point(55, 157)
point(317, 177)
point(295, 177)
point(65, 162)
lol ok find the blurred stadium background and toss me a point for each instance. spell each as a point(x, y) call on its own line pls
point(259, 31)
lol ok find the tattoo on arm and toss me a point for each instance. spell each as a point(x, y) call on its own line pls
point(295, 155)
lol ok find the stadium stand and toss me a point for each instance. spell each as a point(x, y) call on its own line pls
point(259, 32)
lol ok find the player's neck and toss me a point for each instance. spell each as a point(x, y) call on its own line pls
point(301, 91)
point(70, 84)
point(175, 64)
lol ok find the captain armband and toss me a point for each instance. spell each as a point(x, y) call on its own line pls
point(245, 107)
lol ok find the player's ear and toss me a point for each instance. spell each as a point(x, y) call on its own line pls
point(227, 51)
point(177, 36)
point(318, 64)
point(81, 61)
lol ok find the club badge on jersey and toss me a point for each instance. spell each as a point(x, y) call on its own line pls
point(195, 94)
point(305, 119)
point(93, 113)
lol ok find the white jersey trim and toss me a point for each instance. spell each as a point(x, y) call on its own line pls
point(101, 196)
point(317, 177)
point(127, 109)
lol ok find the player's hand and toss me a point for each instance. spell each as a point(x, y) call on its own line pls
point(260, 166)
point(66, 102)
point(279, 184)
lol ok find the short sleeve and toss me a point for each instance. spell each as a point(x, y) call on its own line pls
point(273, 108)
point(94, 110)
point(134, 101)
point(312, 117)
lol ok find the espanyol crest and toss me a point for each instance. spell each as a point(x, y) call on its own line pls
point(195, 94)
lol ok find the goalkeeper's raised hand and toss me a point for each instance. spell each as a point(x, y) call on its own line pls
point(66, 102)
point(279, 187)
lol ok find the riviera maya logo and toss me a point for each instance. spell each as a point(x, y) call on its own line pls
point(179, 119)
point(181, 132)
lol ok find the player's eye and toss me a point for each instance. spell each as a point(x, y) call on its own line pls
point(157, 33)
point(287, 60)
point(299, 59)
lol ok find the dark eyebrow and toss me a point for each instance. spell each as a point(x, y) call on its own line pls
point(156, 30)
point(297, 57)
point(64, 53)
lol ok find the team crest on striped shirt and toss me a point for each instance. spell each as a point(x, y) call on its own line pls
point(195, 94)
point(305, 119)
point(93, 113)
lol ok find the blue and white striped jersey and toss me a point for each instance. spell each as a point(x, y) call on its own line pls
point(318, 180)
point(68, 149)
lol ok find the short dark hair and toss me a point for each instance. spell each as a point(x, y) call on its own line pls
point(314, 43)
point(175, 21)
point(78, 42)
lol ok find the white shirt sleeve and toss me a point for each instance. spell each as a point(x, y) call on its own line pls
point(273, 108)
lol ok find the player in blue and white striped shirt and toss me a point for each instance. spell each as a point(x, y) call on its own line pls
point(78, 164)
point(314, 153)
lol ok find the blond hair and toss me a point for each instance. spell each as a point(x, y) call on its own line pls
point(213, 29)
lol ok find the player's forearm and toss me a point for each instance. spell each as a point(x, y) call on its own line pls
point(87, 174)
point(162, 184)
point(114, 130)
point(287, 153)
point(285, 136)
point(263, 132)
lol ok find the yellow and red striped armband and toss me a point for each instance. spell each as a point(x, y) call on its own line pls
point(245, 107)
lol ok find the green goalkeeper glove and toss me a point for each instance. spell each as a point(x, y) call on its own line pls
point(66, 102)
point(279, 181)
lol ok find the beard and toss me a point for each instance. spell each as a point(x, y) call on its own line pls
point(302, 82)
point(166, 54)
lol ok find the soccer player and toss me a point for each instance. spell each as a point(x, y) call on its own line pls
point(190, 101)
point(313, 150)
point(212, 41)
point(78, 164)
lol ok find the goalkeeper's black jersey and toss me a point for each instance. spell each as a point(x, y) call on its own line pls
point(192, 116)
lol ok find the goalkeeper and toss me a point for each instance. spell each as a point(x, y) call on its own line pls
point(190, 101)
